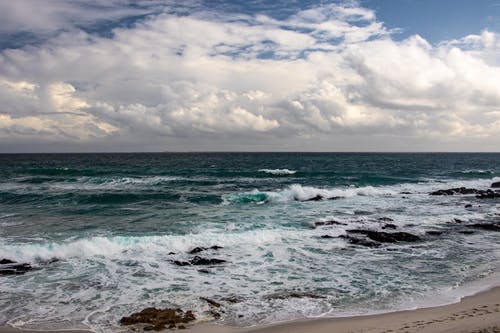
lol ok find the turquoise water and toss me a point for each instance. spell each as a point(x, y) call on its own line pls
point(117, 222)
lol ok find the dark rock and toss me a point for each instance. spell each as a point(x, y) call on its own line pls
point(211, 302)
point(198, 261)
point(181, 263)
point(466, 232)
point(6, 261)
point(359, 241)
point(386, 237)
point(385, 219)
point(181, 327)
point(389, 226)
point(458, 190)
point(434, 233)
point(159, 319)
point(171, 253)
point(326, 236)
point(197, 250)
point(488, 194)
point(495, 185)
point(329, 222)
point(468, 206)
point(215, 314)
point(457, 220)
point(485, 226)
point(15, 269)
point(334, 198)
point(232, 299)
point(405, 193)
point(287, 295)
point(204, 261)
point(200, 249)
point(316, 198)
point(204, 271)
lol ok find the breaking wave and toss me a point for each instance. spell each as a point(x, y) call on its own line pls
point(278, 172)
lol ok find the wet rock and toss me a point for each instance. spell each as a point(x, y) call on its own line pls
point(385, 219)
point(405, 192)
point(233, 299)
point(198, 261)
point(466, 232)
point(204, 271)
point(386, 237)
point(204, 261)
point(214, 314)
point(457, 220)
point(468, 206)
point(158, 319)
point(200, 249)
point(359, 241)
point(316, 198)
point(326, 236)
point(495, 185)
point(457, 190)
point(15, 269)
point(181, 263)
point(488, 194)
point(329, 222)
point(5, 261)
point(485, 226)
point(434, 233)
point(211, 302)
point(287, 295)
point(389, 226)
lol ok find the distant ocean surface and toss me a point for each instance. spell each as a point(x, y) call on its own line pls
point(110, 234)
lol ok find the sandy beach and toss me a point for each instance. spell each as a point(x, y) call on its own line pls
point(474, 314)
point(479, 313)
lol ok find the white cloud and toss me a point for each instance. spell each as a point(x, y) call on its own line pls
point(323, 74)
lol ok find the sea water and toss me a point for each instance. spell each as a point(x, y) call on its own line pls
point(116, 224)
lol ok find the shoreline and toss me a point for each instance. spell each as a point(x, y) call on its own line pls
point(478, 313)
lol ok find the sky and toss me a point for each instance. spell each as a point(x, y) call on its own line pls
point(249, 75)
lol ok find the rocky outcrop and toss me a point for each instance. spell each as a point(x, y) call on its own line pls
point(329, 222)
point(485, 226)
point(458, 190)
point(11, 267)
point(159, 319)
point(197, 261)
point(495, 185)
point(5, 261)
point(389, 226)
point(480, 194)
point(386, 237)
point(201, 249)
point(488, 194)
point(211, 302)
point(359, 241)
point(294, 294)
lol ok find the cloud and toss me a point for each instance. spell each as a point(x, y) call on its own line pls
point(323, 77)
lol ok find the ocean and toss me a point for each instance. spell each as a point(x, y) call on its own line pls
point(295, 235)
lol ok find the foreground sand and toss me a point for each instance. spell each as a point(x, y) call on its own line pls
point(475, 314)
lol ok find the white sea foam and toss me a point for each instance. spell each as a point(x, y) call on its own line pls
point(297, 192)
point(279, 172)
point(121, 246)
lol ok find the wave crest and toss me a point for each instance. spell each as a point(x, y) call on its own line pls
point(298, 192)
point(278, 172)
